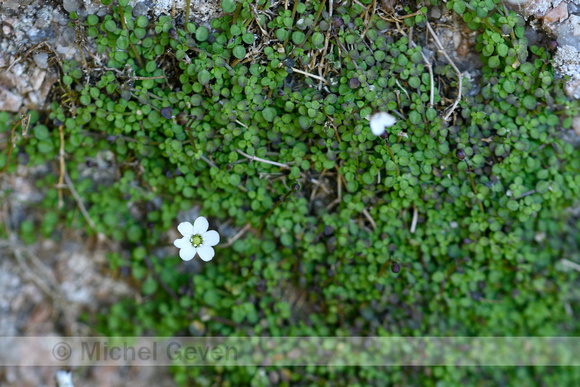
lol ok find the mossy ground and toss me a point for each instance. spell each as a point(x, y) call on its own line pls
point(261, 120)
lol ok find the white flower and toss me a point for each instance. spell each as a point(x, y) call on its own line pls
point(196, 240)
point(380, 121)
point(64, 379)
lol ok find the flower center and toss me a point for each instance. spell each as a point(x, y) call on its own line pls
point(196, 240)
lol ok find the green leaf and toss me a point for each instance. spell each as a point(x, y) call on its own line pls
point(502, 50)
point(542, 187)
point(402, 60)
point(188, 192)
point(431, 114)
point(92, 20)
point(414, 82)
point(149, 286)
point(493, 62)
point(140, 33)
point(134, 233)
point(414, 117)
point(317, 39)
point(235, 180)
point(239, 52)
point(201, 34)
point(459, 7)
point(111, 26)
point(248, 38)
point(142, 21)
point(526, 67)
point(85, 100)
point(151, 66)
point(513, 205)
point(509, 86)
point(304, 122)
point(529, 102)
point(204, 77)
point(235, 30)
point(281, 34)
point(122, 43)
point(228, 6)
point(210, 297)
point(41, 132)
point(298, 37)
point(269, 114)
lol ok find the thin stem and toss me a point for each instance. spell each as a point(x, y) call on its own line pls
point(320, 8)
point(188, 131)
point(62, 166)
point(137, 56)
point(187, 12)
point(296, 2)
point(11, 145)
point(392, 157)
point(236, 12)
point(382, 269)
point(79, 201)
point(473, 185)
point(370, 20)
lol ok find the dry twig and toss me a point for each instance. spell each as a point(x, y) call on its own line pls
point(370, 218)
point(414, 221)
point(310, 75)
point(79, 201)
point(237, 236)
point(459, 75)
point(254, 158)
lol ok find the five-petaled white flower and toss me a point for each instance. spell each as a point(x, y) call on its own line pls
point(196, 240)
point(381, 120)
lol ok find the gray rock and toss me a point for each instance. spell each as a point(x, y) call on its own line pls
point(568, 33)
point(567, 62)
point(574, 8)
point(41, 60)
point(9, 101)
point(71, 5)
point(140, 9)
point(43, 18)
point(435, 13)
point(12, 4)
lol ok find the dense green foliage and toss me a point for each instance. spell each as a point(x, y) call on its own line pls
point(174, 110)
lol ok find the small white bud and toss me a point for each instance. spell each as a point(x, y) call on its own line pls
point(64, 379)
point(381, 120)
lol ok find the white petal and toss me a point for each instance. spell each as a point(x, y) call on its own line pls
point(187, 253)
point(206, 253)
point(380, 121)
point(210, 238)
point(64, 379)
point(200, 225)
point(182, 243)
point(186, 229)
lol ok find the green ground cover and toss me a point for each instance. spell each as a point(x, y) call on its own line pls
point(441, 227)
